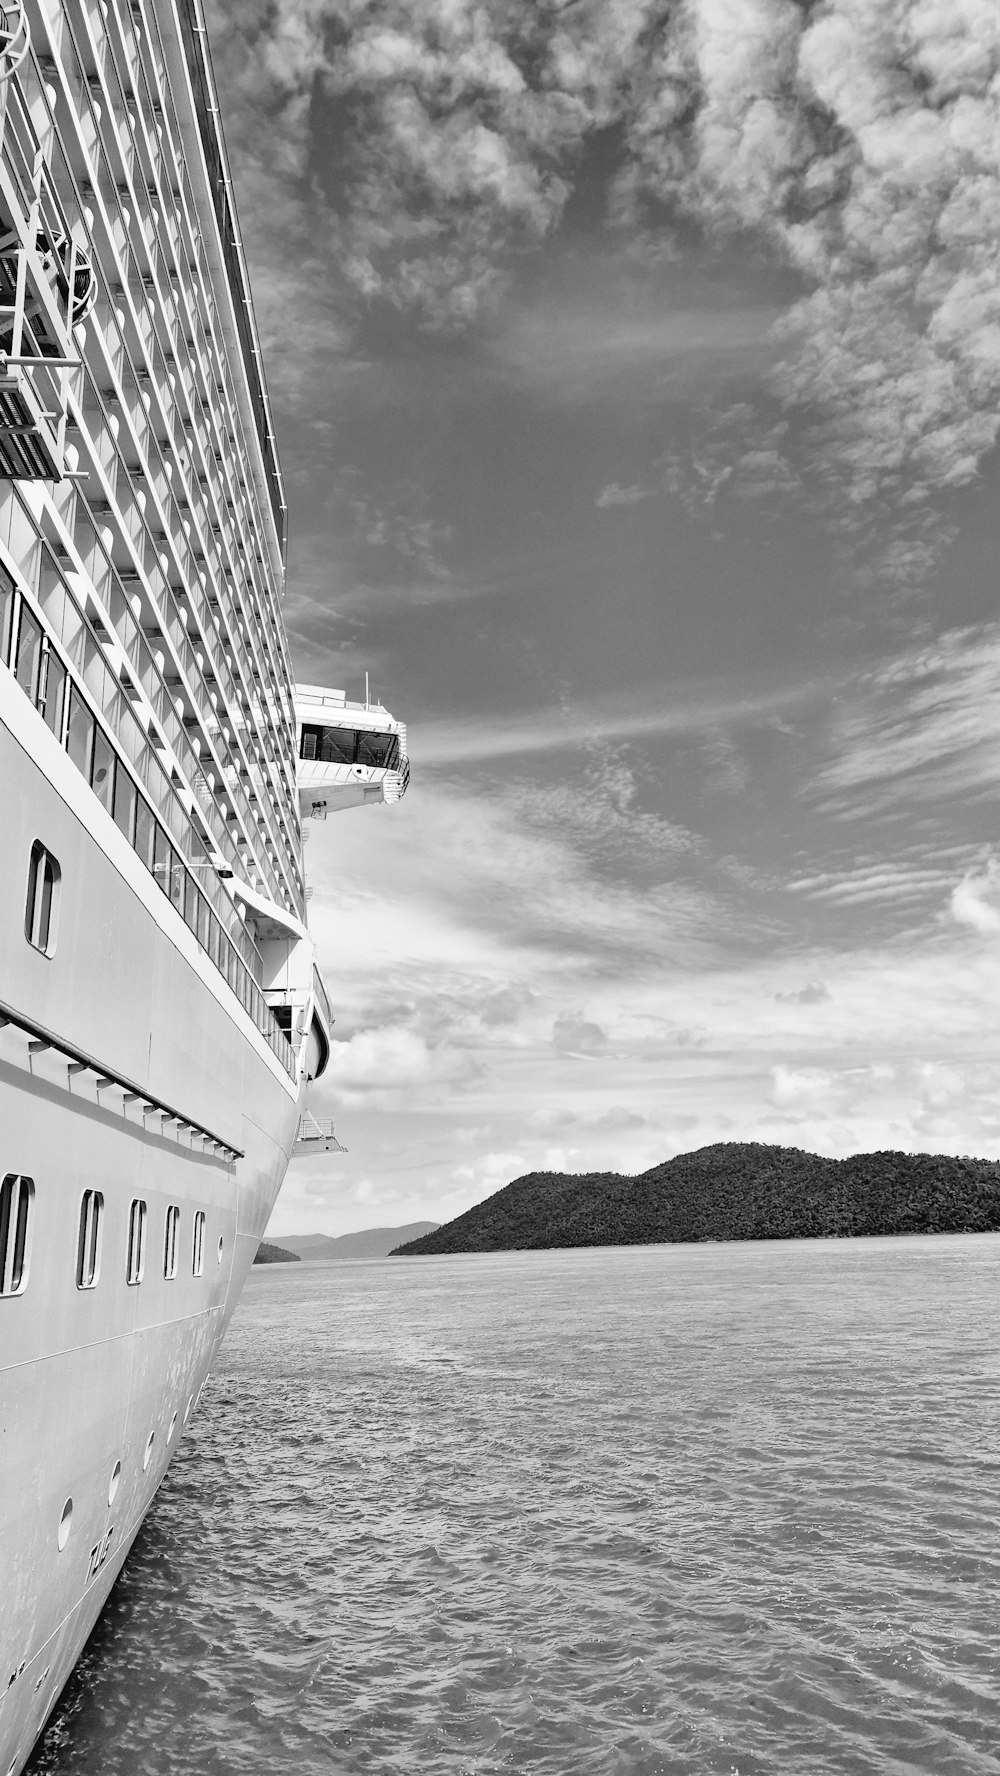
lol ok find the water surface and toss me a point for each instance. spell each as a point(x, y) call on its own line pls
point(628, 1511)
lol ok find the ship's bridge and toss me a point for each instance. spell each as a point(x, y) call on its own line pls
point(350, 754)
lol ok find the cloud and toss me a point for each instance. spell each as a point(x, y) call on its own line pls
point(925, 723)
point(615, 495)
point(682, 708)
point(813, 993)
point(976, 900)
point(572, 1034)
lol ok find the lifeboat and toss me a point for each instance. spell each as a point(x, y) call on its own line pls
point(351, 755)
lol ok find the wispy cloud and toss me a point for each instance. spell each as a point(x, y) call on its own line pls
point(926, 724)
point(681, 709)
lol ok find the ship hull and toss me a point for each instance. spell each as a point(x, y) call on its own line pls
point(128, 1068)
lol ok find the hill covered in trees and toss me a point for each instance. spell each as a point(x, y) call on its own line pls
point(267, 1254)
point(731, 1191)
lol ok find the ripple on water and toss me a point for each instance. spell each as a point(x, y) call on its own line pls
point(682, 1510)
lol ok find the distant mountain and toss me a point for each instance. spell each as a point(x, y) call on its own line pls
point(275, 1255)
point(372, 1242)
point(732, 1191)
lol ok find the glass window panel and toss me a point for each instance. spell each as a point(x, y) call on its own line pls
point(125, 801)
point(103, 771)
point(80, 736)
point(145, 830)
point(55, 693)
point(336, 745)
point(204, 920)
point(29, 652)
point(162, 853)
point(190, 902)
point(309, 739)
point(6, 615)
point(177, 875)
point(378, 751)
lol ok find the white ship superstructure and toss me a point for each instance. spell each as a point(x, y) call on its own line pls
point(160, 1011)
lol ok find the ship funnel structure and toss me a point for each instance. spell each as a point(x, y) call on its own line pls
point(350, 754)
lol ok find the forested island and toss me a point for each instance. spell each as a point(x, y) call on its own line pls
point(275, 1255)
point(734, 1190)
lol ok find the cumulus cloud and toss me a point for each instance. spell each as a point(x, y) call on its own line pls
point(573, 1034)
point(813, 993)
point(976, 900)
point(422, 143)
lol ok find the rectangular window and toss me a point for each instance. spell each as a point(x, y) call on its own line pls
point(379, 751)
point(198, 1248)
point(88, 1255)
point(136, 1242)
point(103, 771)
point(161, 857)
point(145, 830)
point(170, 1242)
point(80, 733)
point(16, 1197)
point(28, 657)
point(191, 898)
point(124, 805)
point(42, 901)
point(55, 692)
point(6, 615)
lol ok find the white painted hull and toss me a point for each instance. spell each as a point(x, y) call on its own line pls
point(87, 1376)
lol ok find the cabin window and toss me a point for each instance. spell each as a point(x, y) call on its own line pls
point(6, 615)
point(170, 1242)
point(332, 746)
point(16, 1197)
point(350, 746)
point(88, 1254)
point(198, 1247)
point(136, 1242)
point(124, 806)
point(52, 702)
point(103, 770)
point(380, 752)
point(80, 733)
point(28, 655)
point(145, 831)
point(42, 902)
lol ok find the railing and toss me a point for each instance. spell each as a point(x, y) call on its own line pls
point(42, 1039)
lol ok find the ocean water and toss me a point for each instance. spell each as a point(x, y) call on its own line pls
point(677, 1510)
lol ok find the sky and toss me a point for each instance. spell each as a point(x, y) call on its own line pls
point(636, 373)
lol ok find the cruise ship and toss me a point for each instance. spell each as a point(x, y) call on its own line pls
point(161, 1013)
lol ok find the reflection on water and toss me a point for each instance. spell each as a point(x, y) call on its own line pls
point(682, 1510)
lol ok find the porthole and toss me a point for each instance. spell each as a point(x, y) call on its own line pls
point(88, 1251)
point(172, 1427)
point(219, 1259)
point(114, 1482)
point(65, 1524)
point(42, 901)
point(17, 1196)
point(148, 1455)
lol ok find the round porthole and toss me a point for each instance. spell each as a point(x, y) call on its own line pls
point(220, 1248)
point(147, 1457)
point(113, 1483)
point(65, 1524)
point(173, 1427)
